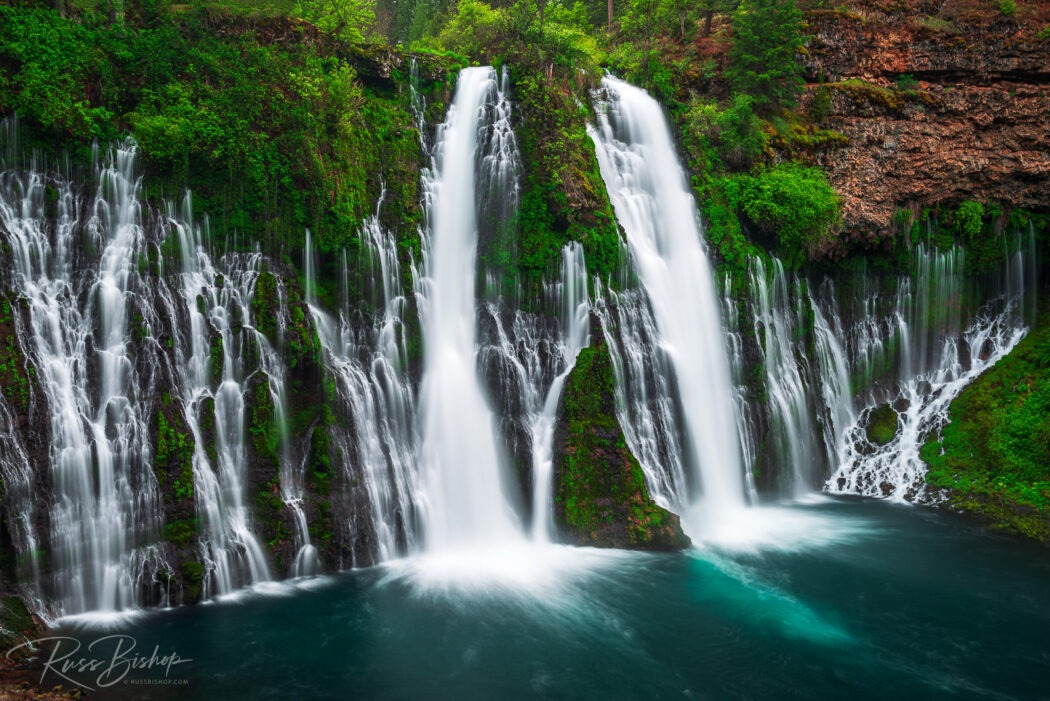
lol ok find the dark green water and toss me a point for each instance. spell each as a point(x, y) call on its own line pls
point(853, 599)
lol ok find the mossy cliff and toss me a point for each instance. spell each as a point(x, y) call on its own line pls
point(993, 459)
point(600, 497)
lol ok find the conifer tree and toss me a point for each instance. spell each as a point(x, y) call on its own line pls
point(763, 59)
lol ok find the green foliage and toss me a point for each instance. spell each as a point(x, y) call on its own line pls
point(272, 135)
point(564, 197)
point(56, 67)
point(1007, 7)
point(263, 426)
point(266, 306)
point(643, 19)
point(183, 532)
point(795, 202)
point(1044, 34)
point(535, 36)
point(729, 139)
point(968, 219)
point(475, 29)
point(994, 455)
point(820, 106)
point(173, 459)
point(16, 374)
point(763, 58)
point(906, 81)
point(347, 19)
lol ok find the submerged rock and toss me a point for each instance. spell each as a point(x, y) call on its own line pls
point(600, 497)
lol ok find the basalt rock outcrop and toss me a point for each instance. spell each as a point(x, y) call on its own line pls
point(937, 109)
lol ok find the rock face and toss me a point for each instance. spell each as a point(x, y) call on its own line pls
point(600, 497)
point(937, 109)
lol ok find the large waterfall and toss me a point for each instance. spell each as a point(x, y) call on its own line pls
point(181, 418)
point(650, 194)
point(466, 490)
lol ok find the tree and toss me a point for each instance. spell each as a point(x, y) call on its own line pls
point(762, 60)
point(348, 19)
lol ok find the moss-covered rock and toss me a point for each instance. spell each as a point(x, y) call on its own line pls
point(993, 458)
point(600, 497)
point(564, 197)
point(882, 424)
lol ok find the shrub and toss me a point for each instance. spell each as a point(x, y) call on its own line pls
point(968, 218)
point(794, 201)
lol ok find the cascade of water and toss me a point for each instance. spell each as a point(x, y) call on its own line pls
point(645, 404)
point(466, 501)
point(104, 500)
point(20, 500)
point(738, 363)
point(211, 356)
point(895, 469)
point(367, 356)
point(777, 326)
point(649, 192)
point(574, 311)
point(939, 353)
point(527, 361)
point(932, 307)
point(832, 377)
point(418, 104)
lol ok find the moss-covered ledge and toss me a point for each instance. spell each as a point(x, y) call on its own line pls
point(600, 497)
point(993, 458)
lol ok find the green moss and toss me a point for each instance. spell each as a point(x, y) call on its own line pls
point(600, 493)
point(993, 458)
point(216, 358)
point(173, 459)
point(183, 532)
point(266, 305)
point(564, 197)
point(16, 374)
point(263, 427)
point(882, 424)
point(192, 578)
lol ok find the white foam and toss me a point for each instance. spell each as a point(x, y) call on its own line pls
point(98, 620)
point(525, 568)
point(783, 528)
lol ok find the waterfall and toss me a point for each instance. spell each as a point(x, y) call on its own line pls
point(574, 312)
point(645, 401)
point(778, 326)
point(366, 355)
point(213, 357)
point(466, 499)
point(650, 194)
point(832, 367)
point(942, 346)
point(77, 276)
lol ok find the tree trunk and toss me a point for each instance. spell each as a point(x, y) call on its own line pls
point(708, 16)
point(610, 13)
